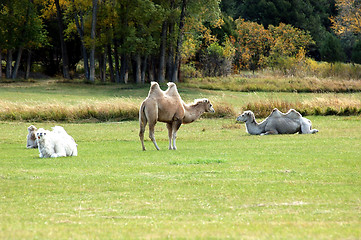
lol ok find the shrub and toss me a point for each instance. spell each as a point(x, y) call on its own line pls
point(214, 62)
point(189, 71)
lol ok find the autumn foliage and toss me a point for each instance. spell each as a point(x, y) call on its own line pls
point(258, 47)
point(348, 18)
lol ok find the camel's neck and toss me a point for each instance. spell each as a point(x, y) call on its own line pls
point(192, 112)
point(255, 128)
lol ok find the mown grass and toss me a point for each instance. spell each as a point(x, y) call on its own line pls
point(220, 183)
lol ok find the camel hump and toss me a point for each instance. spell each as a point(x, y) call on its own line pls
point(171, 84)
point(292, 113)
point(277, 113)
point(154, 90)
point(172, 90)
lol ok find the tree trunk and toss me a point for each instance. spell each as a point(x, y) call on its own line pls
point(17, 63)
point(110, 61)
point(92, 36)
point(170, 55)
point(137, 74)
point(102, 64)
point(80, 28)
point(177, 60)
point(9, 62)
point(86, 62)
point(1, 64)
point(170, 59)
point(151, 69)
point(144, 68)
point(28, 65)
point(124, 68)
point(161, 77)
point(64, 51)
point(116, 60)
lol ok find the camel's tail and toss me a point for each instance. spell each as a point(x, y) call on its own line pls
point(142, 116)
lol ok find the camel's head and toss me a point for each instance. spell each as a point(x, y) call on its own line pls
point(245, 116)
point(42, 134)
point(208, 105)
point(32, 128)
point(32, 133)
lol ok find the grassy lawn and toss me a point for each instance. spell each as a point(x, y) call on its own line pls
point(220, 183)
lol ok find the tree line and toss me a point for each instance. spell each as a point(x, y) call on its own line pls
point(156, 40)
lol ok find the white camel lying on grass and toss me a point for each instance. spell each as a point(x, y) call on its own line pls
point(167, 106)
point(277, 123)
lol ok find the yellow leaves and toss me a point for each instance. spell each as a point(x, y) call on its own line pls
point(229, 50)
point(189, 48)
point(218, 23)
point(257, 45)
point(348, 18)
point(196, 27)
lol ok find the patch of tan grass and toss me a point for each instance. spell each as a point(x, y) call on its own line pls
point(115, 109)
point(118, 109)
point(271, 81)
point(317, 106)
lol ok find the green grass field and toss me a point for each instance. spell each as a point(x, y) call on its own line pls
point(220, 183)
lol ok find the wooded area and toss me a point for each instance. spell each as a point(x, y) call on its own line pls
point(156, 40)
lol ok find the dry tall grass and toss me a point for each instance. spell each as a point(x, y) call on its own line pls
point(113, 110)
point(278, 83)
point(318, 106)
point(126, 109)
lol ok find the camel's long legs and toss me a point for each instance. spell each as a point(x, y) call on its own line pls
point(175, 126)
point(169, 127)
point(142, 124)
point(141, 134)
point(151, 134)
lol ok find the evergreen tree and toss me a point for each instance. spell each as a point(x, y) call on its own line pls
point(331, 49)
point(356, 53)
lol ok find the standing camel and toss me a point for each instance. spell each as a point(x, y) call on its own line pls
point(168, 107)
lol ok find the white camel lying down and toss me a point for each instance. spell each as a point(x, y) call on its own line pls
point(277, 123)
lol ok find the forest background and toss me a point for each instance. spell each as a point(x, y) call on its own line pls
point(136, 41)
